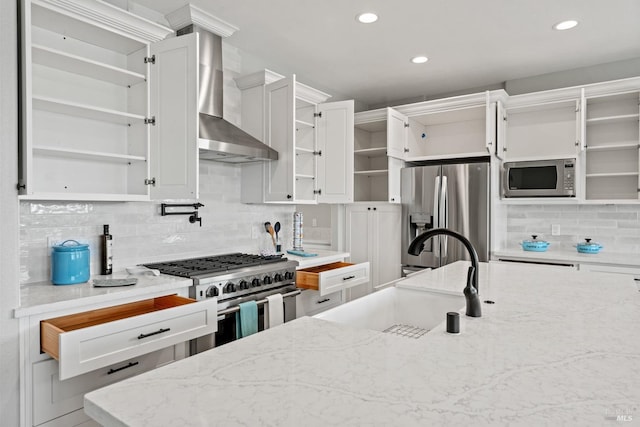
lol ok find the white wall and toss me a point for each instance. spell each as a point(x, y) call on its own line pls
point(9, 354)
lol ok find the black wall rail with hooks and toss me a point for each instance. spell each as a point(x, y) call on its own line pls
point(193, 215)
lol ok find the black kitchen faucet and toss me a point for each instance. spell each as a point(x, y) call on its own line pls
point(471, 290)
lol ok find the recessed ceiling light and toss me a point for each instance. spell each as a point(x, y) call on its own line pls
point(419, 59)
point(367, 17)
point(565, 25)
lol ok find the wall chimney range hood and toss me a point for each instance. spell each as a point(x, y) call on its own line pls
point(218, 139)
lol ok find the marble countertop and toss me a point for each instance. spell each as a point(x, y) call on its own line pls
point(566, 256)
point(557, 347)
point(322, 257)
point(44, 297)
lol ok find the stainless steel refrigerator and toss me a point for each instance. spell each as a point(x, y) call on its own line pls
point(452, 195)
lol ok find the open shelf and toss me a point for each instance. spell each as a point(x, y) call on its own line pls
point(86, 154)
point(610, 174)
point(100, 35)
point(371, 152)
point(86, 111)
point(613, 119)
point(302, 150)
point(614, 147)
point(303, 124)
point(378, 172)
point(77, 65)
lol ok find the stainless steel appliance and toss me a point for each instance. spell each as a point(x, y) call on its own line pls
point(453, 195)
point(220, 140)
point(540, 178)
point(235, 278)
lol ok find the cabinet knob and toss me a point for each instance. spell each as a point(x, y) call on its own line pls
point(289, 196)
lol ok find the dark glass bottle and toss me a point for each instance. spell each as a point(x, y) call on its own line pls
point(107, 255)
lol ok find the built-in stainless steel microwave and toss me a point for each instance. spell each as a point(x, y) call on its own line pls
point(540, 178)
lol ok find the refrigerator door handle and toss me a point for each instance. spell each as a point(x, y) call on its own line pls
point(436, 216)
point(443, 206)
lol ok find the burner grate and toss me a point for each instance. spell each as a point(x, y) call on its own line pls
point(213, 264)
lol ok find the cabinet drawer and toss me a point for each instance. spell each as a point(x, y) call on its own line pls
point(53, 398)
point(311, 303)
point(86, 341)
point(332, 277)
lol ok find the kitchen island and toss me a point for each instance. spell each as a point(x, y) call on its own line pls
point(557, 347)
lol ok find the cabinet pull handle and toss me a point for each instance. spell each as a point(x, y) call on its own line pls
point(348, 277)
point(122, 368)
point(323, 300)
point(159, 331)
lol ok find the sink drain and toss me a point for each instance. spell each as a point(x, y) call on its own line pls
point(406, 331)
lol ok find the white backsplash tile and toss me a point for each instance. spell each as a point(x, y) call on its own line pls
point(141, 235)
point(616, 227)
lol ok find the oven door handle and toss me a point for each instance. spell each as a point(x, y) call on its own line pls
point(236, 308)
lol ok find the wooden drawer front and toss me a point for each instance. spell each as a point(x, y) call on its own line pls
point(91, 340)
point(332, 277)
point(53, 398)
point(311, 302)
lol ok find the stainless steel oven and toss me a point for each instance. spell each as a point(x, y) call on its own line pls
point(540, 178)
point(233, 279)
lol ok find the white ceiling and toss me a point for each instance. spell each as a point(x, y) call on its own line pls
point(470, 43)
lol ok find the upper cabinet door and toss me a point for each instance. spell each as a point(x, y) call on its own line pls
point(174, 105)
point(280, 135)
point(335, 147)
point(501, 121)
point(396, 134)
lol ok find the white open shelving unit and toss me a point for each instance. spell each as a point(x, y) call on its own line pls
point(85, 101)
point(612, 146)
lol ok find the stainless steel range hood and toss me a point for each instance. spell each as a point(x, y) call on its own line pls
point(220, 140)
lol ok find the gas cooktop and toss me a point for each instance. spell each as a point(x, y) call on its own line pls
point(209, 265)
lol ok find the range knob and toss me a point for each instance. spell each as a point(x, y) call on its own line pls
point(229, 287)
point(267, 280)
point(255, 282)
point(288, 275)
point(212, 292)
point(243, 285)
point(277, 277)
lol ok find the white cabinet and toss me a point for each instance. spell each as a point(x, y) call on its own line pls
point(314, 141)
point(612, 142)
point(376, 171)
point(86, 341)
point(62, 401)
point(543, 125)
point(373, 235)
point(87, 119)
point(456, 127)
point(632, 272)
point(310, 302)
point(98, 344)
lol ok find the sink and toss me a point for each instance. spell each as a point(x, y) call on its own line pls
point(403, 311)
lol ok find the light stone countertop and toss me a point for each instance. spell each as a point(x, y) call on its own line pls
point(567, 257)
point(558, 347)
point(44, 297)
point(322, 257)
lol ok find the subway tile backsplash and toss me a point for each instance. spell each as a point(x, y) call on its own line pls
point(141, 235)
point(616, 227)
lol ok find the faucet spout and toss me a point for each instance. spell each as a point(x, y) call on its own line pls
point(471, 289)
